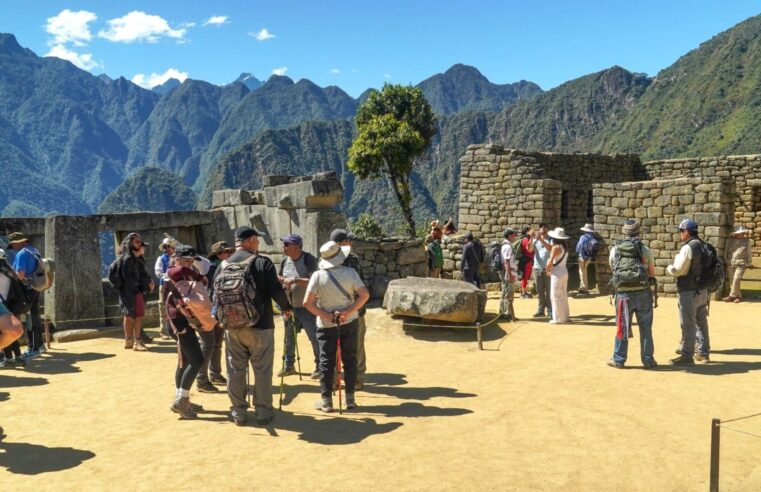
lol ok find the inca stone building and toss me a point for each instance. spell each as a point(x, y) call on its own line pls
point(502, 187)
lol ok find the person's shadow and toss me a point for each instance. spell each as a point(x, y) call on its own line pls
point(33, 459)
point(60, 362)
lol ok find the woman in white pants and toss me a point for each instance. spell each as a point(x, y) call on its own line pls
point(558, 273)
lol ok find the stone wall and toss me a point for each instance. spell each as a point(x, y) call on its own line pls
point(389, 259)
point(660, 205)
point(745, 171)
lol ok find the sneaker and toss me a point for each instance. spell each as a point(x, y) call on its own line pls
point(19, 361)
point(206, 387)
point(218, 379)
point(350, 403)
point(30, 354)
point(583, 292)
point(315, 374)
point(702, 358)
point(613, 363)
point(324, 405)
point(182, 406)
point(538, 314)
point(139, 347)
point(358, 385)
point(288, 371)
point(265, 420)
point(239, 418)
point(683, 360)
point(42, 349)
point(128, 343)
point(650, 364)
point(8, 364)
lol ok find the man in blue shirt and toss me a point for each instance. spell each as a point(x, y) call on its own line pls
point(25, 263)
point(585, 250)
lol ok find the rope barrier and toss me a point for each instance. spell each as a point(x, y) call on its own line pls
point(86, 319)
point(740, 431)
point(422, 325)
point(741, 418)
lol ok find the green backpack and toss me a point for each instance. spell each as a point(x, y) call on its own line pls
point(628, 269)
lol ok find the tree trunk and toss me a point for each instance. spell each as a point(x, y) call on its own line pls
point(402, 190)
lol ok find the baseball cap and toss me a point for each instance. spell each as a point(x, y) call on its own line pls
point(340, 235)
point(244, 232)
point(292, 239)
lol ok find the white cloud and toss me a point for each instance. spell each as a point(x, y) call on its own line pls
point(139, 26)
point(154, 79)
point(70, 27)
point(81, 60)
point(335, 71)
point(279, 71)
point(262, 35)
point(216, 20)
point(386, 76)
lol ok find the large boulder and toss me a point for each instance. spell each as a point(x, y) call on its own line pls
point(435, 298)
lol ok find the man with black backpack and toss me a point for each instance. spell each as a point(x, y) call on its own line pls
point(689, 267)
point(244, 286)
point(632, 267)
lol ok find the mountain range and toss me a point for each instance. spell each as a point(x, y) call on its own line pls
point(74, 138)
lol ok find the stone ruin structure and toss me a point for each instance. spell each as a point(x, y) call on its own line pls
point(502, 187)
point(306, 205)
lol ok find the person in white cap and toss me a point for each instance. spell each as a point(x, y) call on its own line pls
point(586, 250)
point(739, 257)
point(556, 269)
point(167, 248)
point(335, 294)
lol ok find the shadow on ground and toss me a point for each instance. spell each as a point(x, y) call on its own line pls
point(8, 381)
point(715, 368)
point(33, 459)
point(59, 362)
point(418, 329)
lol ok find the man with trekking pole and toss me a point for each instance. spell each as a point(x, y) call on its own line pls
point(335, 294)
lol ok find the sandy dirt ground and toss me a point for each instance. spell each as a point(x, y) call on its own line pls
point(538, 409)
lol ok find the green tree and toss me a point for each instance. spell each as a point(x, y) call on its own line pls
point(394, 126)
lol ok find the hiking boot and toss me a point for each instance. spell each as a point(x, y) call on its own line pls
point(324, 405)
point(182, 406)
point(128, 343)
point(315, 374)
point(650, 364)
point(239, 418)
point(288, 371)
point(613, 363)
point(206, 387)
point(702, 358)
point(139, 347)
point(196, 407)
point(683, 360)
point(351, 404)
point(218, 379)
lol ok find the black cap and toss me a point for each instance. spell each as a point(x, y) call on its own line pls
point(185, 252)
point(340, 235)
point(508, 232)
point(244, 232)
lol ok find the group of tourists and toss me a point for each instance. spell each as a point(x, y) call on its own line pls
point(226, 299)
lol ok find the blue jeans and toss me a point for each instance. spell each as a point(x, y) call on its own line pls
point(640, 303)
point(309, 322)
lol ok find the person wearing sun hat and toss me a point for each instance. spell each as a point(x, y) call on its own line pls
point(739, 257)
point(336, 293)
point(167, 248)
point(585, 251)
point(25, 263)
point(556, 269)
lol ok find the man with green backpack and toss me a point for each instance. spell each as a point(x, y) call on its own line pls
point(632, 268)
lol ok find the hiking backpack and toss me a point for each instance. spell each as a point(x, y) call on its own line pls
point(195, 296)
point(628, 268)
point(712, 270)
point(494, 257)
point(592, 247)
point(43, 275)
point(517, 251)
point(115, 277)
point(235, 297)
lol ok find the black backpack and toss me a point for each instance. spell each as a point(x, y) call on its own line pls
point(711, 269)
point(494, 257)
point(18, 301)
point(628, 269)
point(115, 276)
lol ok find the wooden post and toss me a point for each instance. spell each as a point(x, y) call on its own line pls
point(715, 448)
point(480, 336)
point(45, 324)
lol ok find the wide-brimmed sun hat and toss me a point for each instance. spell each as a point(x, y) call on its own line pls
point(559, 234)
point(588, 228)
point(220, 247)
point(741, 230)
point(17, 237)
point(332, 255)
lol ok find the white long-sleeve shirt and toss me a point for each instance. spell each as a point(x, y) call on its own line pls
point(682, 262)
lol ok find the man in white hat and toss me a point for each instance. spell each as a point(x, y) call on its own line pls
point(586, 250)
point(335, 294)
point(739, 257)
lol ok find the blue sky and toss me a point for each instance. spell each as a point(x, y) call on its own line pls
point(360, 44)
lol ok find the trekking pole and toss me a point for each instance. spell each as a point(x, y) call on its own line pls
point(249, 398)
point(296, 343)
point(282, 373)
point(336, 320)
